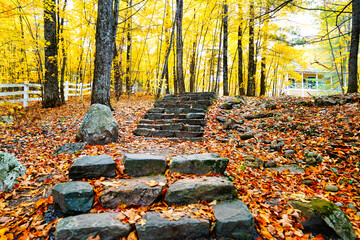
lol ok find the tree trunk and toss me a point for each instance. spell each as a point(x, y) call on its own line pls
point(240, 52)
point(118, 71)
point(251, 66)
point(51, 85)
point(179, 48)
point(225, 51)
point(263, 58)
point(354, 48)
point(192, 68)
point(105, 41)
point(128, 54)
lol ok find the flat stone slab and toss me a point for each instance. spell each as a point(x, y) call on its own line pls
point(73, 197)
point(233, 220)
point(208, 189)
point(93, 167)
point(195, 116)
point(157, 227)
point(292, 167)
point(139, 191)
point(137, 165)
point(83, 226)
point(199, 164)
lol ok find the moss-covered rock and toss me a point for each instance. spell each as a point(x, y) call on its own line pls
point(331, 215)
point(10, 169)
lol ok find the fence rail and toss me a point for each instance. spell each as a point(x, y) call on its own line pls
point(70, 89)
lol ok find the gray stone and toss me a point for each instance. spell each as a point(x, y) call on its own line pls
point(331, 188)
point(73, 197)
point(246, 136)
point(81, 227)
point(99, 126)
point(6, 119)
point(233, 220)
point(93, 167)
point(139, 191)
point(333, 218)
point(174, 110)
point(163, 133)
point(194, 110)
point(186, 134)
point(145, 132)
point(143, 164)
point(352, 206)
point(156, 110)
point(199, 164)
point(157, 227)
point(70, 148)
point(193, 128)
point(195, 115)
point(174, 126)
point(187, 191)
point(292, 167)
point(10, 169)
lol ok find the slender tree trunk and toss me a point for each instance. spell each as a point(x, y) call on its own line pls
point(179, 48)
point(105, 41)
point(263, 58)
point(128, 53)
point(240, 52)
point(192, 68)
point(118, 71)
point(251, 66)
point(63, 67)
point(225, 51)
point(216, 87)
point(354, 48)
point(51, 85)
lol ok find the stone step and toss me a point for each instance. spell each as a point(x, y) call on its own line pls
point(93, 167)
point(73, 197)
point(150, 132)
point(233, 220)
point(142, 191)
point(208, 189)
point(199, 164)
point(155, 116)
point(157, 227)
point(173, 126)
point(143, 164)
point(193, 128)
point(184, 110)
point(104, 225)
point(201, 122)
point(182, 105)
point(156, 110)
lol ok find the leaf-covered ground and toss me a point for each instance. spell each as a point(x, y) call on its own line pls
point(333, 132)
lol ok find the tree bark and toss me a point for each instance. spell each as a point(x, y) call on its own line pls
point(179, 47)
point(225, 51)
point(251, 66)
point(105, 43)
point(354, 48)
point(128, 54)
point(51, 85)
point(240, 52)
point(192, 69)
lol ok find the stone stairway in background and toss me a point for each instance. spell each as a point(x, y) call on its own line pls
point(177, 117)
point(232, 219)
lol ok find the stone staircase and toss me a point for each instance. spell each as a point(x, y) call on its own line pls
point(232, 219)
point(177, 117)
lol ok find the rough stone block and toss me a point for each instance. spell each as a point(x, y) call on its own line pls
point(208, 189)
point(195, 116)
point(199, 164)
point(81, 227)
point(73, 197)
point(157, 227)
point(139, 191)
point(185, 134)
point(174, 126)
point(233, 220)
point(93, 167)
point(144, 164)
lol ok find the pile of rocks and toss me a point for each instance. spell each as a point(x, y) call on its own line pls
point(233, 220)
point(177, 117)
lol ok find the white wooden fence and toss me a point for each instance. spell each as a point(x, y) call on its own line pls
point(70, 89)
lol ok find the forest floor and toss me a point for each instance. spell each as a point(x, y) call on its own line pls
point(333, 132)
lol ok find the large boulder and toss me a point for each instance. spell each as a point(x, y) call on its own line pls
point(99, 126)
point(323, 217)
point(10, 169)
